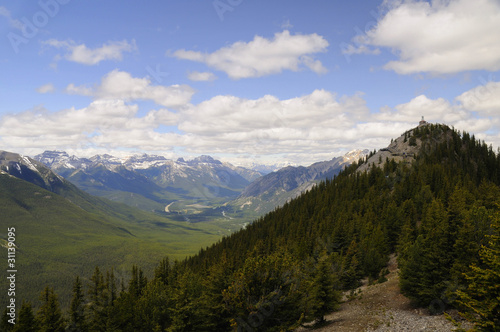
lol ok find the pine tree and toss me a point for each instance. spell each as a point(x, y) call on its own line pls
point(152, 307)
point(49, 316)
point(76, 311)
point(97, 298)
point(4, 323)
point(481, 298)
point(212, 303)
point(185, 297)
point(351, 270)
point(324, 295)
point(162, 271)
point(425, 273)
point(27, 321)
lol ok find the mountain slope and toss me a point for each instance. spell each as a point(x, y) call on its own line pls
point(62, 231)
point(435, 211)
point(277, 188)
point(153, 182)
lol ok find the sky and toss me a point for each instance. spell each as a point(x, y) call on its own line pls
point(245, 81)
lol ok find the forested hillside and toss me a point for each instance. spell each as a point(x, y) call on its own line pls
point(439, 213)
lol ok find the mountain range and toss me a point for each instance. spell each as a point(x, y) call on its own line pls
point(62, 231)
point(195, 190)
point(151, 182)
point(276, 188)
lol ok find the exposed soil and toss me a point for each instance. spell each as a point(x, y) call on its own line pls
point(381, 307)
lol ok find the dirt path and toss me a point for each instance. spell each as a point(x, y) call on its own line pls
point(381, 307)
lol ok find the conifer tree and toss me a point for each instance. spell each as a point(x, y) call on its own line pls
point(426, 271)
point(153, 307)
point(162, 271)
point(4, 323)
point(97, 300)
point(481, 298)
point(76, 311)
point(27, 321)
point(213, 308)
point(351, 270)
point(49, 316)
point(324, 294)
point(185, 296)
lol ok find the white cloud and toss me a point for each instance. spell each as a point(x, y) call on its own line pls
point(103, 123)
point(71, 89)
point(434, 110)
point(484, 99)
point(438, 36)
point(303, 129)
point(198, 76)
point(261, 56)
point(80, 53)
point(46, 88)
point(121, 85)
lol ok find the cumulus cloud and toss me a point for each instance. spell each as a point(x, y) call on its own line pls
point(438, 37)
point(46, 88)
point(121, 85)
point(199, 76)
point(485, 99)
point(96, 125)
point(303, 129)
point(261, 56)
point(80, 53)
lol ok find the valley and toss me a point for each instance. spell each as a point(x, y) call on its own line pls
point(150, 207)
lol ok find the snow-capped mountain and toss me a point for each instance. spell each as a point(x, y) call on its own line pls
point(30, 170)
point(276, 188)
point(150, 181)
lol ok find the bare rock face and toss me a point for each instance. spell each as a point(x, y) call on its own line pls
point(403, 149)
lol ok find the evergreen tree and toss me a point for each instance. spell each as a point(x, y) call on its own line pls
point(97, 319)
point(351, 270)
point(49, 316)
point(481, 298)
point(162, 271)
point(4, 323)
point(152, 307)
point(425, 274)
point(27, 321)
point(324, 294)
point(184, 312)
point(76, 311)
point(213, 308)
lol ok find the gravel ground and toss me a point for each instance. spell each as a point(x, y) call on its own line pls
point(381, 307)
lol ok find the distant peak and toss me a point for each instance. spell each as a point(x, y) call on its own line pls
point(355, 155)
point(205, 159)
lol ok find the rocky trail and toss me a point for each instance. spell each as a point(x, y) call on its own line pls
point(381, 307)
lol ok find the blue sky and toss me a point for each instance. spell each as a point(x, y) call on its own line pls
point(243, 80)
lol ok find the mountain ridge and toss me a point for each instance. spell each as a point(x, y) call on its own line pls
point(277, 188)
point(152, 182)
